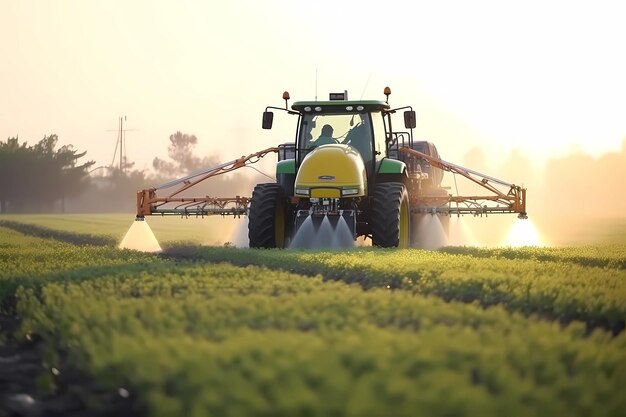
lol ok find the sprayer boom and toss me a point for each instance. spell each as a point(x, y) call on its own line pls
point(503, 198)
point(148, 203)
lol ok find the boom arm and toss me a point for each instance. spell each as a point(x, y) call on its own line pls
point(511, 201)
point(148, 203)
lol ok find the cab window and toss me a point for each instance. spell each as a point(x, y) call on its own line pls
point(378, 124)
point(350, 129)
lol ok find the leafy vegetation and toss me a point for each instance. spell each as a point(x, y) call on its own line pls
point(365, 332)
point(221, 340)
point(31, 261)
point(555, 283)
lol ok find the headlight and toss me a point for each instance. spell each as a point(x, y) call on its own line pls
point(349, 191)
point(302, 191)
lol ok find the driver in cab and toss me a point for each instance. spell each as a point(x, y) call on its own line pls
point(326, 137)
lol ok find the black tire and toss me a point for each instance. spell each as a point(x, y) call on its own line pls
point(390, 215)
point(267, 217)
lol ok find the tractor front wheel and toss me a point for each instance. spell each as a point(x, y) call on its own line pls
point(390, 215)
point(267, 217)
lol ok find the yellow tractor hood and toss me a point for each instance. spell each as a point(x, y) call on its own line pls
point(331, 171)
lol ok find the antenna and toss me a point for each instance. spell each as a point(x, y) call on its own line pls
point(366, 84)
point(315, 83)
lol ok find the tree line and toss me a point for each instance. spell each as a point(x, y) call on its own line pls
point(35, 178)
point(42, 178)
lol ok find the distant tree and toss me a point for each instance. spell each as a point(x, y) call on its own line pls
point(184, 160)
point(124, 186)
point(35, 177)
point(13, 157)
point(181, 153)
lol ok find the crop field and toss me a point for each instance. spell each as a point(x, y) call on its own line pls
point(89, 329)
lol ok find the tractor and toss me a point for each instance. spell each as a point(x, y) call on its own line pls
point(354, 173)
point(354, 166)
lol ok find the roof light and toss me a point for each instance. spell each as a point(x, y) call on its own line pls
point(338, 96)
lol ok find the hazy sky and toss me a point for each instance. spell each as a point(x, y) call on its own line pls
point(545, 77)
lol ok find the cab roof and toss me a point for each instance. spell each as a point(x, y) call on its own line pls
point(339, 106)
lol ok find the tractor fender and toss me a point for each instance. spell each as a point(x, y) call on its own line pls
point(287, 166)
point(391, 170)
point(286, 175)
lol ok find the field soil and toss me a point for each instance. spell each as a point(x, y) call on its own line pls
point(26, 388)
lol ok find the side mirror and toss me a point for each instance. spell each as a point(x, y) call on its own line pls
point(268, 118)
point(410, 119)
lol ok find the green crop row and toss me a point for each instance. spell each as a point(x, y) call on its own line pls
point(522, 281)
point(434, 333)
point(602, 256)
point(30, 261)
point(200, 339)
point(558, 289)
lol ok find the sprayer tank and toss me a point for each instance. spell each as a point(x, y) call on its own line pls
point(331, 171)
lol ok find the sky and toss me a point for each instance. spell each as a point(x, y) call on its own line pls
point(544, 78)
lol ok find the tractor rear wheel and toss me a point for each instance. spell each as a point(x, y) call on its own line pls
point(267, 217)
point(390, 215)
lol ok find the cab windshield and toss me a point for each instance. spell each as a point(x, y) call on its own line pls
point(350, 129)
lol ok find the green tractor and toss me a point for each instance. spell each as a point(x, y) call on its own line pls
point(345, 171)
point(350, 173)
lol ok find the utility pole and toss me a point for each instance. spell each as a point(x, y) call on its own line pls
point(121, 138)
point(121, 143)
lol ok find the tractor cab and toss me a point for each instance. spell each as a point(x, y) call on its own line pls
point(363, 125)
point(340, 174)
point(358, 125)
